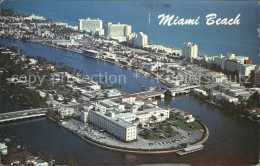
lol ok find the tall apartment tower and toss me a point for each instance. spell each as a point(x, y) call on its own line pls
point(138, 40)
point(190, 50)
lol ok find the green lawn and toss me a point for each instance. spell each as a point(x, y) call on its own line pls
point(167, 133)
point(185, 126)
point(147, 134)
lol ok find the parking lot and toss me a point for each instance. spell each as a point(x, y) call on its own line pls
point(87, 130)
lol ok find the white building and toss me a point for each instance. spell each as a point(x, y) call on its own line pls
point(227, 98)
point(34, 17)
point(94, 26)
point(3, 148)
point(233, 62)
point(152, 115)
point(184, 116)
point(190, 50)
point(245, 69)
point(216, 77)
point(257, 78)
point(200, 92)
point(64, 111)
point(120, 116)
point(117, 31)
point(118, 127)
point(138, 40)
point(84, 116)
point(220, 61)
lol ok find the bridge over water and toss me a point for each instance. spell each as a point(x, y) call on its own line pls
point(31, 113)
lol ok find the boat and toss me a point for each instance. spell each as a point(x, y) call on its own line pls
point(144, 88)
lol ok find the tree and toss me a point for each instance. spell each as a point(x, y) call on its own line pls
point(45, 156)
point(136, 119)
point(69, 160)
point(169, 129)
point(253, 100)
point(161, 115)
point(154, 118)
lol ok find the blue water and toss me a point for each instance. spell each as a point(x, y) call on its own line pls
point(212, 40)
point(91, 67)
point(233, 140)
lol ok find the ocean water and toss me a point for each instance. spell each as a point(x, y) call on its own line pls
point(241, 39)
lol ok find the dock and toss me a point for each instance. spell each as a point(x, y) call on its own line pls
point(190, 149)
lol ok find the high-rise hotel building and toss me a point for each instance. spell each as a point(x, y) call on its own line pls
point(94, 26)
point(117, 31)
point(190, 50)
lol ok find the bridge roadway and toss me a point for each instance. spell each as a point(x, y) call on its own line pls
point(17, 115)
point(183, 90)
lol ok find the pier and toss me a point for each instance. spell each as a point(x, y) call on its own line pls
point(190, 149)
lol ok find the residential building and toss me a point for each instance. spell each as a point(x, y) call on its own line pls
point(200, 92)
point(231, 65)
point(84, 116)
point(227, 98)
point(245, 69)
point(257, 77)
point(138, 40)
point(3, 148)
point(233, 62)
point(220, 61)
point(65, 111)
point(190, 50)
point(184, 116)
point(20, 158)
point(216, 77)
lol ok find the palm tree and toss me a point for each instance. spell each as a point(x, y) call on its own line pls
point(136, 119)
point(69, 160)
point(161, 115)
point(154, 118)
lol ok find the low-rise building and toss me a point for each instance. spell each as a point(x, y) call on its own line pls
point(184, 116)
point(3, 148)
point(200, 92)
point(227, 98)
point(20, 158)
point(120, 116)
point(65, 111)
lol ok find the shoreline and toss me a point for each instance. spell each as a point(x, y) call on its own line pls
point(129, 150)
point(152, 76)
point(116, 148)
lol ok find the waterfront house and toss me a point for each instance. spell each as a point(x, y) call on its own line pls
point(200, 92)
point(63, 112)
point(21, 158)
point(3, 148)
point(227, 98)
point(182, 115)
